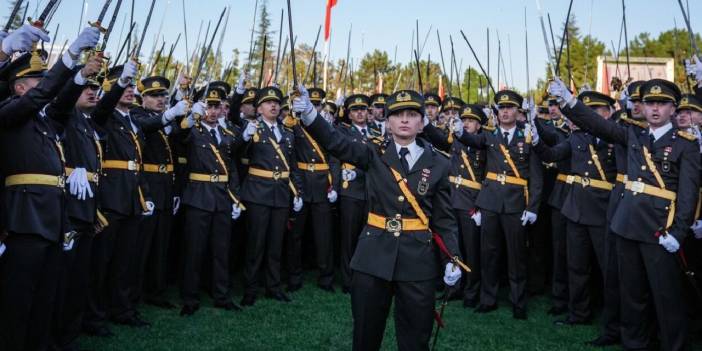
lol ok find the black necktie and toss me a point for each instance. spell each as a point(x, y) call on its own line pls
point(364, 132)
point(273, 132)
point(214, 136)
point(403, 158)
point(505, 135)
point(651, 140)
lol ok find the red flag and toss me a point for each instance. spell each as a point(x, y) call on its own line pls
point(605, 81)
point(327, 19)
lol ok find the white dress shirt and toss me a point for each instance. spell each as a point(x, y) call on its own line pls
point(510, 133)
point(219, 137)
point(659, 132)
point(276, 131)
point(415, 151)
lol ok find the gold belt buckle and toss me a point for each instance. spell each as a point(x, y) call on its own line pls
point(61, 183)
point(638, 187)
point(570, 179)
point(585, 181)
point(502, 178)
point(131, 165)
point(214, 178)
point(310, 167)
point(458, 180)
point(394, 225)
point(162, 168)
point(276, 175)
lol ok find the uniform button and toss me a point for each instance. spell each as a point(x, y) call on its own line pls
point(638, 179)
point(462, 166)
point(505, 161)
point(643, 168)
point(589, 162)
point(587, 174)
point(401, 198)
point(277, 157)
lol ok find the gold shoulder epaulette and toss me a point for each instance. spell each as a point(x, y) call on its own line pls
point(687, 135)
point(640, 124)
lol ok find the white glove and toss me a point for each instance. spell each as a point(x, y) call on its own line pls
point(426, 121)
point(236, 211)
point(534, 132)
point(249, 131)
point(669, 243)
point(458, 127)
point(693, 68)
point(67, 246)
point(297, 204)
point(79, 184)
point(348, 174)
point(558, 89)
point(128, 73)
point(477, 218)
point(176, 204)
point(199, 108)
point(241, 84)
point(149, 209)
point(451, 274)
point(87, 39)
point(528, 217)
point(23, 38)
point(2, 249)
point(697, 229)
point(332, 196)
point(180, 109)
point(303, 105)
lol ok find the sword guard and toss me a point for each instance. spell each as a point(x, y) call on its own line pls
point(38, 23)
point(99, 26)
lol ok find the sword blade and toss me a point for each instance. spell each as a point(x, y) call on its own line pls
point(13, 14)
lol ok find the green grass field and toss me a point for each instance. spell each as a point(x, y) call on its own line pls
point(317, 320)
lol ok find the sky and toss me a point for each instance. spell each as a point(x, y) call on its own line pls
point(386, 24)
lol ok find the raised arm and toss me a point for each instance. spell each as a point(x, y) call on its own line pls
point(536, 183)
point(437, 138)
point(587, 119)
point(559, 152)
point(548, 132)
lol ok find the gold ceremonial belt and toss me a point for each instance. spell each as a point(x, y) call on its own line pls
point(313, 167)
point(562, 177)
point(643, 188)
point(209, 178)
point(395, 225)
point(503, 178)
point(92, 177)
point(154, 168)
point(585, 182)
point(35, 179)
point(459, 181)
point(130, 165)
point(622, 178)
point(275, 175)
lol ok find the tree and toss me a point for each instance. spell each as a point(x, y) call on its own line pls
point(18, 20)
point(262, 33)
point(673, 43)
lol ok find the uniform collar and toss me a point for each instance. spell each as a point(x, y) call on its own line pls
point(659, 132)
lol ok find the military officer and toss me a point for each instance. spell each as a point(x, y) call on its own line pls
point(352, 193)
point(466, 175)
point(319, 174)
point(653, 217)
point(210, 200)
point(408, 192)
point(272, 178)
point(591, 179)
point(508, 201)
point(33, 166)
point(158, 168)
